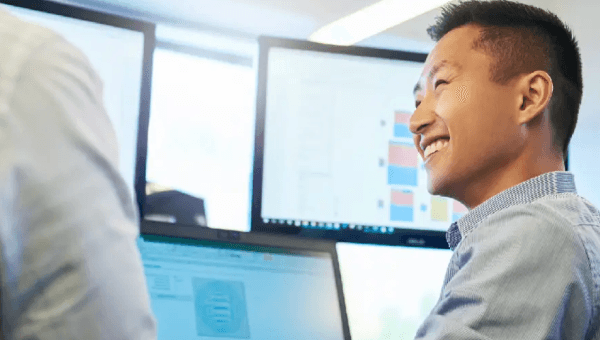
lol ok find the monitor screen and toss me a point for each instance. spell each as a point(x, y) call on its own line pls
point(333, 149)
point(200, 135)
point(390, 297)
point(116, 51)
point(202, 289)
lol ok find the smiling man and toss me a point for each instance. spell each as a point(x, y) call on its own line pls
point(496, 106)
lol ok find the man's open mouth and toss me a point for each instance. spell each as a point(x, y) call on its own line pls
point(436, 146)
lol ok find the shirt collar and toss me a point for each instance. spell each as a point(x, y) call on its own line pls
point(526, 192)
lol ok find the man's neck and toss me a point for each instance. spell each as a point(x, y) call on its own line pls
point(505, 177)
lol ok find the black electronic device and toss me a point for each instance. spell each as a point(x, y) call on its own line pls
point(223, 283)
point(334, 157)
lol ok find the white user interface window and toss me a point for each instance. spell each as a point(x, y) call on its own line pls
point(201, 134)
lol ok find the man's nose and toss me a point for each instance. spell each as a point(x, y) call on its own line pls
point(420, 119)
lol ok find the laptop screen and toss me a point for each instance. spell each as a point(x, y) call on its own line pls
point(210, 289)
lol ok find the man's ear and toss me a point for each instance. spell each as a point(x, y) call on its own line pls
point(535, 91)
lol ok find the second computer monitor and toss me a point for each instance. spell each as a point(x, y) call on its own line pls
point(334, 156)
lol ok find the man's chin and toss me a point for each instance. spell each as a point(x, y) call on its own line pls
point(432, 188)
point(437, 188)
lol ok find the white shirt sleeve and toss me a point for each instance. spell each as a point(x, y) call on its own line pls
point(69, 263)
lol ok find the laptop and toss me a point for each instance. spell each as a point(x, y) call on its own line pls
point(220, 284)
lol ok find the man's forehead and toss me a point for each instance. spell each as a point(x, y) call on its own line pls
point(435, 66)
point(453, 48)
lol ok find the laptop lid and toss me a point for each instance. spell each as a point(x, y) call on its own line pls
point(219, 284)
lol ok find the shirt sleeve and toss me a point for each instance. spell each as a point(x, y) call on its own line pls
point(70, 266)
point(521, 274)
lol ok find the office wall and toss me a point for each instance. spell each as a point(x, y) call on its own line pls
point(585, 164)
point(582, 17)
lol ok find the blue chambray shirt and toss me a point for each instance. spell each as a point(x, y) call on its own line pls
point(526, 265)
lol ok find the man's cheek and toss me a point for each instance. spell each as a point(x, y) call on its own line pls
point(462, 94)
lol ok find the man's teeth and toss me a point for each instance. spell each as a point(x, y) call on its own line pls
point(435, 146)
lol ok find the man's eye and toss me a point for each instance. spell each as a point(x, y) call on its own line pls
point(417, 103)
point(440, 82)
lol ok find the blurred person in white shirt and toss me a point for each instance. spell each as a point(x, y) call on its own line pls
point(69, 263)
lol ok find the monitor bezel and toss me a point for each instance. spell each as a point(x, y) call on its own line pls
point(149, 31)
point(180, 233)
point(400, 237)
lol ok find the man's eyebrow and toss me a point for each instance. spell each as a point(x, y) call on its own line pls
point(435, 69)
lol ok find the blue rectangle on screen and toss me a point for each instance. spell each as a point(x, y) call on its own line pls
point(399, 175)
point(401, 130)
point(456, 217)
point(401, 213)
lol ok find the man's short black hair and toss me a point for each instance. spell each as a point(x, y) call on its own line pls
point(523, 39)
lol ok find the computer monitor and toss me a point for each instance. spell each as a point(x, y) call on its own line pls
point(209, 283)
point(390, 290)
point(200, 139)
point(120, 51)
point(334, 157)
